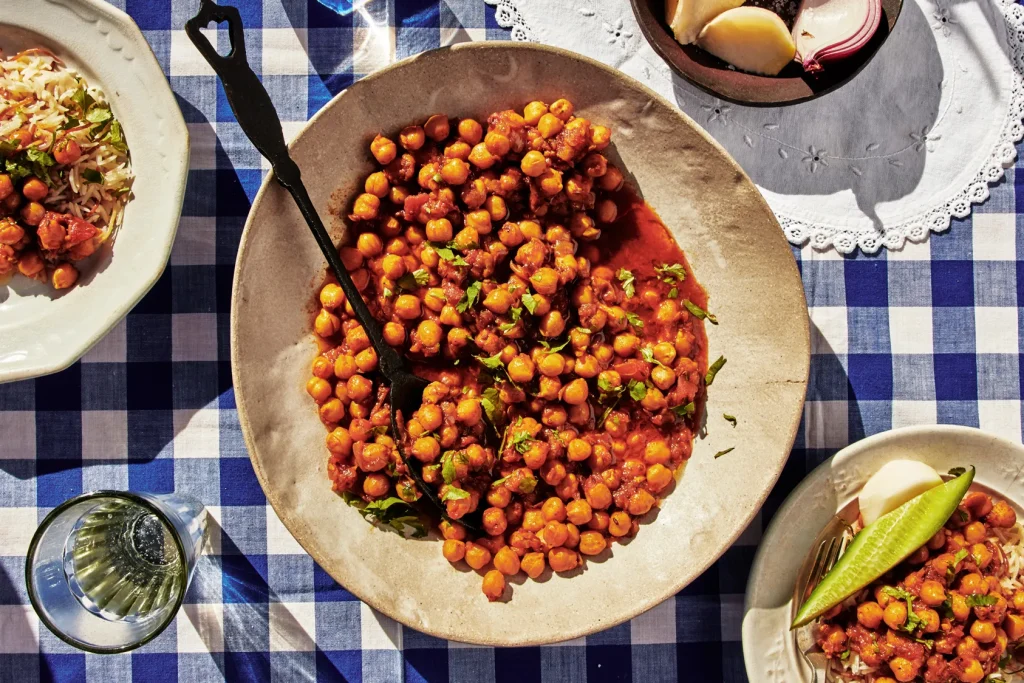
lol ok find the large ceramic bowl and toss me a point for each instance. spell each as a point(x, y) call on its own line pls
point(768, 647)
point(736, 250)
point(41, 330)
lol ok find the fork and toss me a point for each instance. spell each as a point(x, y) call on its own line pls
point(257, 117)
point(831, 543)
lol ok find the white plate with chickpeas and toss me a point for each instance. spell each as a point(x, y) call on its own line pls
point(502, 228)
point(95, 154)
point(964, 585)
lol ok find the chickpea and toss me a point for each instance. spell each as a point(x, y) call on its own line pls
point(521, 369)
point(600, 136)
point(869, 614)
point(664, 352)
point(599, 496)
point(10, 232)
point(429, 333)
point(620, 524)
point(326, 323)
point(903, 669)
point(530, 229)
point(506, 561)
point(553, 509)
point(929, 618)
point(393, 266)
point(439, 230)
point(563, 559)
point(494, 521)
point(412, 138)
point(497, 143)
point(975, 532)
point(319, 389)
point(549, 126)
point(973, 671)
point(657, 452)
point(1002, 515)
point(468, 412)
point(533, 564)
point(481, 157)
point(658, 477)
point(554, 534)
point(32, 213)
point(981, 555)
point(359, 388)
point(470, 131)
point(1013, 624)
point(973, 584)
point(455, 171)
point(437, 127)
point(932, 593)
point(552, 324)
point(606, 211)
point(578, 450)
point(377, 185)
point(626, 344)
point(575, 392)
point(1018, 601)
point(961, 610)
point(430, 416)
point(545, 281)
point(533, 164)
point(34, 189)
point(407, 307)
point(494, 585)
point(383, 150)
point(6, 187)
point(453, 550)
point(366, 207)
point(895, 614)
point(67, 151)
point(366, 360)
point(663, 378)
point(550, 182)
point(579, 512)
point(323, 368)
point(376, 485)
point(496, 210)
point(592, 543)
point(640, 503)
point(983, 631)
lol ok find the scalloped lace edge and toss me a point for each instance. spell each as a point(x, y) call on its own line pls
point(845, 241)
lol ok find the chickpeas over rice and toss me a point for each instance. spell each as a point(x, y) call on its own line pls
point(505, 258)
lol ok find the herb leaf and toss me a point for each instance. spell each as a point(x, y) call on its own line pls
point(98, 114)
point(392, 513)
point(82, 99)
point(671, 274)
point(553, 349)
point(604, 385)
point(491, 362)
point(685, 410)
point(628, 281)
point(951, 568)
point(730, 419)
point(634, 320)
point(470, 297)
point(454, 493)
point(673, 294)
point(709, 378)
point(417, 278)
point(449, 461)
point(93, 176)
point(637, 390)
point(516, 315)
point(981, 600)
point(447, 254)
point(719, 454)
point(530, 302)
point(490, 401)
point(699, 312)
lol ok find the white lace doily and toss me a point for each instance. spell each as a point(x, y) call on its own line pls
point(912, 141)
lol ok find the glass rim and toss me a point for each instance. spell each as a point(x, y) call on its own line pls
point(45, 524)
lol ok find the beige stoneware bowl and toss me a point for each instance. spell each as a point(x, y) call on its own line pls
point(734, 245)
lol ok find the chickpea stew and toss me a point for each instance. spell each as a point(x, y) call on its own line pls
point(559, 323)
point(952, 612)
point(64, 169)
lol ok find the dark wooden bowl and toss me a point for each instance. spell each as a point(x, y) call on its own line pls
point(792, 85)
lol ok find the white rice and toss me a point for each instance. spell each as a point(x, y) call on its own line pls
point(36, 91)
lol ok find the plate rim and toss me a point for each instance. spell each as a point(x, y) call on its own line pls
point(641, 606)
point(142, 58)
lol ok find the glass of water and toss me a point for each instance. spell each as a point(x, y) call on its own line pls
point(107, 571)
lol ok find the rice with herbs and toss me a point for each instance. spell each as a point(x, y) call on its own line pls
point(41, 103)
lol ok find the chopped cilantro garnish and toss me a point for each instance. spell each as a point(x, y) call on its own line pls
point(673, 293)
point(98, 114)
point(637, 390)
point(393, 514)
point(454, 493)
point(685, 410)
point(490, 401)
point(709, 378)
point(719, 454)
point(516, 314)
point(634, 320)
point(729, 418)
point(83, 99)
point(647, 353)
point(93, 176)
point(417, 278)
point(470, 297)
point(981, 600)
point(530, 302)
point(951, 568)
point(449, 462)
point(604, 385)
point(628, 281)
point(448, 254)
point(699, 312)
point(521, 441)
point(553, 349)
point(671, 274)
point(491, 362)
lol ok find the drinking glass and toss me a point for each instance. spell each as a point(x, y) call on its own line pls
point(107, 571)
point(343, 7)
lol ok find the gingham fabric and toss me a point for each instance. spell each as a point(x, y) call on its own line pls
point(928, 334)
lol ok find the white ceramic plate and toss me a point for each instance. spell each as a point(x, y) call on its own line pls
point(732, 241)
point(43, 331)
point(768, 647)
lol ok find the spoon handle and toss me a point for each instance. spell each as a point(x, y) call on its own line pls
point(255, 113)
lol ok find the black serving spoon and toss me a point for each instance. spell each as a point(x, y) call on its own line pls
point(255, 113)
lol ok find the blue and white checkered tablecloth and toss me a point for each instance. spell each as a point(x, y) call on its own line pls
point(931, 334)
